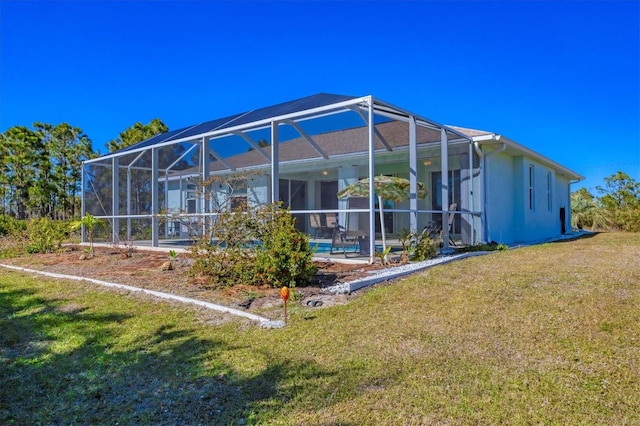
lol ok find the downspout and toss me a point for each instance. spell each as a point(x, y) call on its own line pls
point(483, 158)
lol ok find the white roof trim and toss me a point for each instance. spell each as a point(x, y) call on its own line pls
point(496, 138)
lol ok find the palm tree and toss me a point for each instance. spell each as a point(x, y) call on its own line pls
point(90, 224)
point(586, 211)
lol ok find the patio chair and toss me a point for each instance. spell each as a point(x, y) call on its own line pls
point(318, 221)
point(452, 217)
point(342, 238)
point(432, 230)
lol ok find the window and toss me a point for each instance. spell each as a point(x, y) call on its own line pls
point(328, 191)
point(191, 205)
point(238, 202)
point(549, 206)
point(531, 188)
point(190, 198)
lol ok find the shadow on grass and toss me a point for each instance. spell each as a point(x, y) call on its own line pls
point(62, 364)
point(589, 234)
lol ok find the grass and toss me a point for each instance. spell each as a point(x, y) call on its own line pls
point(547, 334)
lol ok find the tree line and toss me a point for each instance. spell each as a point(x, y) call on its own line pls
point(616, 208)
point(40, 166)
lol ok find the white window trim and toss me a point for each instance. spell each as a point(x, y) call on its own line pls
point(532, 186)
point(549, 191)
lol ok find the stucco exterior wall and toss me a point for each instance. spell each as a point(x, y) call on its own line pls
point(540, 221)
point(524, 198)
point(502, 201)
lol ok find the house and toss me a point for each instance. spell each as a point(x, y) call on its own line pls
point(304, 151)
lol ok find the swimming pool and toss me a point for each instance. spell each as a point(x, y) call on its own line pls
point(320, 247)
point(317, 247)
point(324, 247)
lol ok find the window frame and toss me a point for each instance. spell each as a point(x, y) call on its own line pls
point(549, 191)
point(532, 198)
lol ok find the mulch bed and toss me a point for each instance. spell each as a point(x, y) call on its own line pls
point(143, 270)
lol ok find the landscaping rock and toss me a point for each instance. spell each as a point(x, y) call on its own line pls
point(166, 266)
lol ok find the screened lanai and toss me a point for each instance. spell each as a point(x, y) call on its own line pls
point(301, 152)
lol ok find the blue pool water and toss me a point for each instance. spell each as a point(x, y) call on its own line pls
point(320, 247)
point(326, 248)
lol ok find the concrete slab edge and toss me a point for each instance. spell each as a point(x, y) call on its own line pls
point(263, 322)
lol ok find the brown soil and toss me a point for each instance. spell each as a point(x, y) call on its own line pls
point(143, 270)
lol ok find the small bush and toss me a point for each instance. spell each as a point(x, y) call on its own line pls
point(285, 257)
point(12, 246)
point(425, 248)
point(91, 225)
point(492, 246)
point(223, 267)
point(10, 226)
point(418, 247)
point(254, 246)
point(225, 254)
point(12, 236)
point(45, 235)
point(626, 219)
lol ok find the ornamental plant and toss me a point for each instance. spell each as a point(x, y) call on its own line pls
point(285, 256)
point(225, 254)
point(254, 246)
point(10, 226)
point(91, 223)
point(418, 246)
point(45, 235)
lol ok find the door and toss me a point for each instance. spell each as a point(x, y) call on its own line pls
point(293, 194)
point(328, 191)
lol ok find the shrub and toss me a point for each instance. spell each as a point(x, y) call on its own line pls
point(12, 246)
point(91, 224)
point(225, 254)
point(285, 256)
point(254, 246)
point(492, 246)
point(10, 226)
point(425, 248)
point(418, 247)
point(224, 267)
point(626, 219)
point(12, 236)
point(45, 235)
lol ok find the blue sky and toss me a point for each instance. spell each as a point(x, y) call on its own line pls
point(560, 77)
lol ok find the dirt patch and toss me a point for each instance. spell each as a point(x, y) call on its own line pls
point(143, 270)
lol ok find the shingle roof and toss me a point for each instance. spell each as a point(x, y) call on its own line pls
point(337, 143)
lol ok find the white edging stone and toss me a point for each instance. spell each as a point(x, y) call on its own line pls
point(344, 288)
point(264, 322)
point(397, 271)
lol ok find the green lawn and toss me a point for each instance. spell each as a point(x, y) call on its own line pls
point(539, 335)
